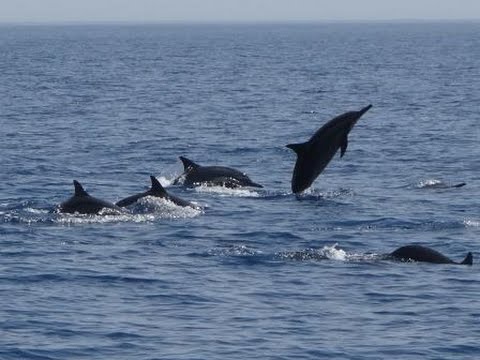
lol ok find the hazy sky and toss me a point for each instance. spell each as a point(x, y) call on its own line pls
point(233, 10)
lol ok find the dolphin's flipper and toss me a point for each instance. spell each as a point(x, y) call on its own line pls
point(298, 148)
point(188, 164)
point(468, 259)
point(79, 191)
point(343, 146)
point(157, 189)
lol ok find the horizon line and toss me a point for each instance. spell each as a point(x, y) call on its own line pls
point(234, 22)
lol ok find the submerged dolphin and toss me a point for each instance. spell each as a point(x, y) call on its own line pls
point(195, 174)
point(83, 203)
point(425, 254)
point(157, 190)
point(315, 154)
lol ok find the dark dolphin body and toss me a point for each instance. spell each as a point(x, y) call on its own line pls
point(157, 190)
point(195, 175)
point(83, 203)
point(315, 154)
point(425, 254)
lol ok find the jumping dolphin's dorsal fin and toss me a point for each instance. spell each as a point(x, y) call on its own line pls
point(343, 146)
point(188, 164)
point(79, 191)
point(468, 259)
point(298, 148)
point(156, 188)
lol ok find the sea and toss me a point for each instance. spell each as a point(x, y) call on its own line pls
point(255, 273)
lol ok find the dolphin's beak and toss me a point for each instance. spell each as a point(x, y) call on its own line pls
point(365, 109)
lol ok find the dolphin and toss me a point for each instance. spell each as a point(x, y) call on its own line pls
point(157, 190)
point(83, 203)
point(425, 254)
point(195, 175)
point(315, 154)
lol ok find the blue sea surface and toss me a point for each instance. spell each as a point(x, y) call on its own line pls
point(258, 273)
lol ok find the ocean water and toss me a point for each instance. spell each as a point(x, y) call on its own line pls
point(258, 273)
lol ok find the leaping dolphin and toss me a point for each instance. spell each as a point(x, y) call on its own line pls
point(195, 175)
point(81, 202)
point(425, 254)
point(157, 190)
point(315, 154)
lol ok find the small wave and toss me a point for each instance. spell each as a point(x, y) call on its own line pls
point(234, 250)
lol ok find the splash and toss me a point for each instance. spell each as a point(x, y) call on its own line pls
point(165, 181)
point(165, 208)
point(225, 191)
point(437, 184)
point(332, 252)
point(471, 223)
point(325, 253)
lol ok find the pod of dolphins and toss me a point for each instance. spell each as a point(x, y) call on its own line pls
point(312, 158)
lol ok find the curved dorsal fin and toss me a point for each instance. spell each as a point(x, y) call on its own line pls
point(468, 259)
point(156, 188)
point(188, 164)
point(79, 191)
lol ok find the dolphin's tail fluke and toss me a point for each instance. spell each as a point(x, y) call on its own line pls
point(365, 109)
point(468, 259)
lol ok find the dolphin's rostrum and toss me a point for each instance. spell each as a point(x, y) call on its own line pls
point(315, 154)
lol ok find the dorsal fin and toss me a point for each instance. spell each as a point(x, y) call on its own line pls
point(188, 164)
point(298, 148)
point(156, 188)
point(79, 191)
point(468, 259)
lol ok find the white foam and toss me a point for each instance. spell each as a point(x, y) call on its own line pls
point(224, 191)
point(331, 252)
point(471, 223)
point(430, 183)
point(165, 181)
point(166, 208)
point(149, 209)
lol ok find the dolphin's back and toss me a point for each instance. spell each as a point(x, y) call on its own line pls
point(81, 202)
point(213, 175)
point(420, 253)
